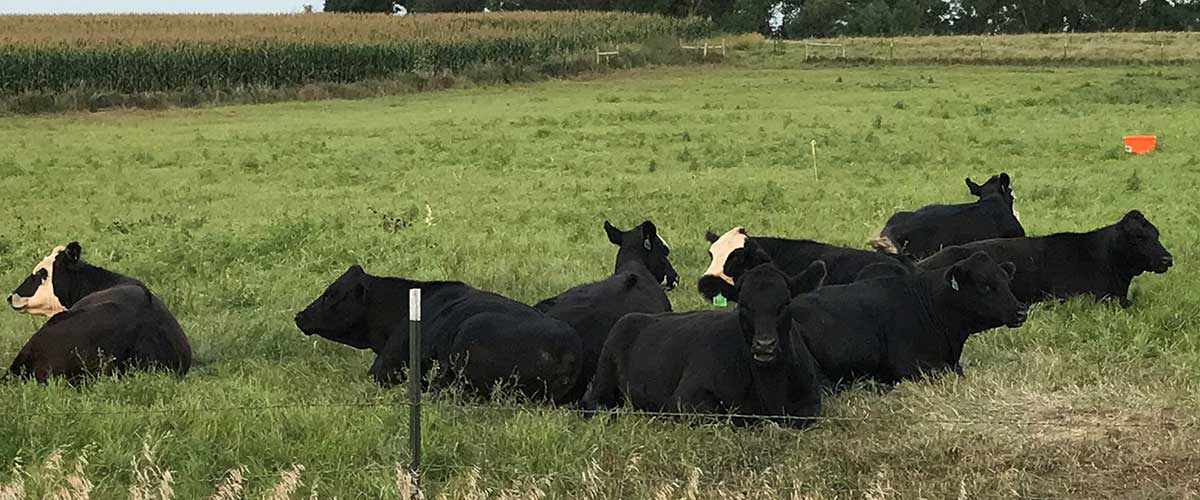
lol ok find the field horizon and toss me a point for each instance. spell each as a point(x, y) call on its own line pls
point(238, 216)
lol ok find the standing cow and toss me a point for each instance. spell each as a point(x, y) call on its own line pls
point(100, 322)
point(728, 362)
point(479, 338)
point(1101, 263)
point(793, 257)
point(924, 231)
point(642, 272)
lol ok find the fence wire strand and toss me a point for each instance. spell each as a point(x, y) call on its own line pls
point(618, 412)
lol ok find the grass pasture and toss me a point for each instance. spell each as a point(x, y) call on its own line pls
point(238, 216)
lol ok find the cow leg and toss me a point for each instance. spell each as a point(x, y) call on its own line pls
point(390, 362)
point(692, 398)
point(603, 392)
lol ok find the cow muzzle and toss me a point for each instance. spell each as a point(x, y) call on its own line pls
point(764, 351)
point(1164, 264)
point(1021, 315)
point(17, 305)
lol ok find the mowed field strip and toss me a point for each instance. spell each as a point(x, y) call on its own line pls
point(238, 216)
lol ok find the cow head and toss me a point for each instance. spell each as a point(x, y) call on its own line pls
point(43, 292)
point(1000, 185)
point(765, 292)
point(996, 185)
point(643, 244)
point(1137, 246)
point(340, 313)
point(714, 280)
point(979, 287)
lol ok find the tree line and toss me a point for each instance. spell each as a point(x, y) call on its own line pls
point(824, 18)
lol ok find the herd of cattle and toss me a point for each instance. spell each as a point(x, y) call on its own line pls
point(809, 316)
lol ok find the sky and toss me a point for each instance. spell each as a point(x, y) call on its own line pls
point(153, 6)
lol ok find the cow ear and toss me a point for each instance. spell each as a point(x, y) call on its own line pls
point(1004, 179)
point(614, 235)
point(711, 236)
point(811, 279)
point(1134, 215)
point(648, 230)
point(355, 270)
point(72, 254)
point(1010, 269)
point(973, 187)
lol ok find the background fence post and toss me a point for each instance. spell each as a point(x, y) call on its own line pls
point(414, 381)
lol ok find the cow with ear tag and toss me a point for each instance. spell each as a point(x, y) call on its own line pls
point(926, 230)
point(726, 362)
point(641, 276)
point(792, 256)
point(1101, 263)
point(99, 322)
point(893, 328)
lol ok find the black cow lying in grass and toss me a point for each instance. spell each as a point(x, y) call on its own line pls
point(100, 322)
point(792, 257)
point(643, 270)
point(479, 338)
point(725, 362)
point(1101, 263)
point(924, 231)
point(894, 328)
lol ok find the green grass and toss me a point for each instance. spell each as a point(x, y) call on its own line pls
point(238, 216)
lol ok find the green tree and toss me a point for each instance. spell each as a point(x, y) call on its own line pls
point(815, 18)
point(873, 17)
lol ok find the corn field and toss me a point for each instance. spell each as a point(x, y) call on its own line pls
point(144, 53)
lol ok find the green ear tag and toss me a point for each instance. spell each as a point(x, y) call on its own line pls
point(720, 301)
point(954, 283)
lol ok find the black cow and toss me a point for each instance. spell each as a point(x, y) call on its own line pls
point(479, 338)
point(1100, 263)
point(643, 270)
point(793, 257)
point(727, 362)
point(923, 232)
point(895, 328)
point(100, 322)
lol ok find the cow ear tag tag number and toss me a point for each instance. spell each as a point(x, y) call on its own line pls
point(720, 301)
point(954, 283)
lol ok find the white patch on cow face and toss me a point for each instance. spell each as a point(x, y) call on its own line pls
point(733, 239)
point(43, 302)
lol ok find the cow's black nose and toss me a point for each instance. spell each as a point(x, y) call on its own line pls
point(1168, 261)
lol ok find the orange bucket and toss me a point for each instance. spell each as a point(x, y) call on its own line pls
point(1138, 144)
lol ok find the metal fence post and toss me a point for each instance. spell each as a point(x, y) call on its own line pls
point(414, 381)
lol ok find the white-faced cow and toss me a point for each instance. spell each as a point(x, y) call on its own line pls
point(479, 338)
point(924, 231)
point(100, 322)
point(725, 362)
point(793, 257)
point(643, 271)
point(1101, 263)
point(898, 327)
